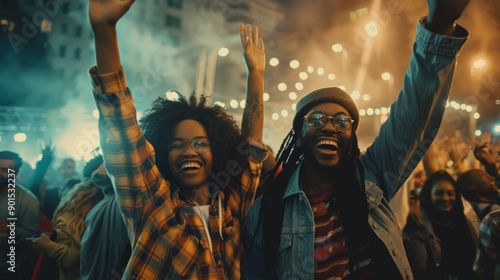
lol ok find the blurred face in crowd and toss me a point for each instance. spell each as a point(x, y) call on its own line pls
point(190, 156)
point(67, 168)
point(5, 165)
point(326, 134)
point(443, 196)
point(486, 184)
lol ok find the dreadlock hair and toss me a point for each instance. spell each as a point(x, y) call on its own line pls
point(159, 124)
point(349, 196)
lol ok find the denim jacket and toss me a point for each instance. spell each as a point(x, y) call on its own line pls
point(402, 141)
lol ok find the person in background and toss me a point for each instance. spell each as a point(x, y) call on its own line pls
point(441, 240)
point(24, 214)
point(487, 262)
point(105, 238)
point(69, 226)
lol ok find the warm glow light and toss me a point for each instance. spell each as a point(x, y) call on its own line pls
point(320, 71)
point(468, 108)
point(220, 104)
point(95, 113)
point(284, 113)
point(331, 77)
point(337, 47)
point(139, 115)
point(362, 112)
point(172, 95)
point(463, 106)
point(299, 86)
point(369, 111)
point(303, 75)
point(242, 103)
point(265, 96)
point(274, 61)
point(275, 116)
point(355, 94)
point(294, 105)
point(233, 104)
point(477, 116)
point(282, 86)
point(377, 111)
point(342, 88)
point(497, 128)
point(480, 63)
point(383, 110)
point(366, 97)
point(477, 132)
point(292, 95)
point(20, 137)
point(223, 52)
point(386, 76)
point(294, 64)
point(371, 29)
point(310, 69)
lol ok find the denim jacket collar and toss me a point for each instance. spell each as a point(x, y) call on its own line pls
point(294, 187)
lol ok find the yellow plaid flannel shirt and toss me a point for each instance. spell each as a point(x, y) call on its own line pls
point(168, 238)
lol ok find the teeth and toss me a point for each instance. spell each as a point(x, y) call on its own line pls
point(190, 165)
point(327, 142)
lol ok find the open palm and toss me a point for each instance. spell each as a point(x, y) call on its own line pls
point(107, 12)
point(253, 48)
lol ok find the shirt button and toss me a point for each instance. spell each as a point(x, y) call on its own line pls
point(330, 249)
point(315, 209)
point(395, 252)
point(371, 198)
point(219, 262)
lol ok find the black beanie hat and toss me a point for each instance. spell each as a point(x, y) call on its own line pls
point(323, 95)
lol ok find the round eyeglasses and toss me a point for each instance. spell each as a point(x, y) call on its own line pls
point(199, 145)
point(316, 119)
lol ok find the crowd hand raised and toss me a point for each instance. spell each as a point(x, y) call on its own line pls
point(253, 48)
point(46, 148)
point(104, 13)
point(443, 14)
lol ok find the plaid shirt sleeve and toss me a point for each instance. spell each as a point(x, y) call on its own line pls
point(129, 159)
point(489, 240)
point(257, 153)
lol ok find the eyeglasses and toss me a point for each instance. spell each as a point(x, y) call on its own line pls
point(316, 119)
point(199, 145)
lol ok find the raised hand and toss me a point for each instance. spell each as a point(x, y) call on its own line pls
point(107, 12)
point(443, 13)
point(46, 148)
point(253, 48)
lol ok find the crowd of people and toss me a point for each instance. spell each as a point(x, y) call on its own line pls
point(186, 193)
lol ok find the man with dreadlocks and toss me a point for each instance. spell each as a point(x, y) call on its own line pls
point(324, 213)
point(183, 197)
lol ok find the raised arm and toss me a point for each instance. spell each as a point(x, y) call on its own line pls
point(417, 113)
point(128, 157)
point(41, 169)
point(255, 62)
point(103, 15)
